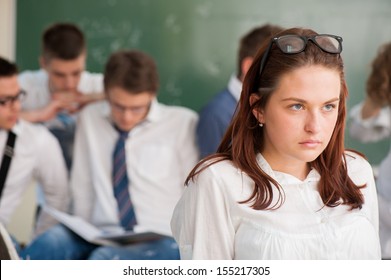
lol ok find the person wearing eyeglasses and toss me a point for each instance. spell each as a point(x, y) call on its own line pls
point(282, 185)
point(62, 86)
point(371, 122)
point(216, 115)
point(132, 155)
point(33, 155)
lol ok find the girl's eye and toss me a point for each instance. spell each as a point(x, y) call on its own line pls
point(329, 107)
point(296, 107)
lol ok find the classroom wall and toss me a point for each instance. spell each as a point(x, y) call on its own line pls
point(195, 42)
point(7, 29)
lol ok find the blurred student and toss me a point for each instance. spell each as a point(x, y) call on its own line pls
point(29, 153)
point(371, 122)
point(132, 155)
point(282, 185)
point(62, 86)
point(215, 117)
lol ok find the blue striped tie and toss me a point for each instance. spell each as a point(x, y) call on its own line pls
point(121, 184)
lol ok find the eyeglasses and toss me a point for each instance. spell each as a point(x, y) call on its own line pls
point(136, 110)
point(9, 100)
point(294, 44)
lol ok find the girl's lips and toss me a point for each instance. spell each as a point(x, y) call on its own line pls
point(310, 143)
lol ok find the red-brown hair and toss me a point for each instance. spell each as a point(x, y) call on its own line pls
point(244, 138)
point(379, 80)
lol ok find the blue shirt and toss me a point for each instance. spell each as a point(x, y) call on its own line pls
point(215, 117)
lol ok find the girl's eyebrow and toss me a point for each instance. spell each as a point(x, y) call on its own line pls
point(304, 101)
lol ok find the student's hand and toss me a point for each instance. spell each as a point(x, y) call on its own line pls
point(74, 101)
point(85, 99)
point(44, 114)
point(50, 111)
point(67, 100)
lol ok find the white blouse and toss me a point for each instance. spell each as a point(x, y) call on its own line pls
point(210, 223)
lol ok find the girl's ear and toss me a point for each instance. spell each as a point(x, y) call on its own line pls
point(257, 112)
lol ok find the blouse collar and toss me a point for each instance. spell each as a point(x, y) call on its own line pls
point(284, 178)
point(235, 87)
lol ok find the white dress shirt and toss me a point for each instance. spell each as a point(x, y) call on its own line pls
point(160, 152)
point(235, 87)
point(37, 157)
point(209, 221)
point(372, 130)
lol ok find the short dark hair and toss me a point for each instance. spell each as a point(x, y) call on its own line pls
point(131, 70)
point(64, 41)
point(7, 68)
point(251, 42)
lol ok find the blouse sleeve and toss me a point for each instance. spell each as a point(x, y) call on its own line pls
point(201, 223)
point(372, 200)
point(361, 173)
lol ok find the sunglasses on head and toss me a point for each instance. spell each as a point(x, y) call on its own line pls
point(294, 44)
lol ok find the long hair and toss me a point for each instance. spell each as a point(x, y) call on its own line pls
point(379, 80)
point(244, 138)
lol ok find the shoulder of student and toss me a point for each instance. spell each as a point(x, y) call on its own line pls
point(359, 169)
point(172, 111)
point(219, 104)
point(95, 108)
point(30, 79)
point(91, 83)
point(36, 135)
point(223, 172)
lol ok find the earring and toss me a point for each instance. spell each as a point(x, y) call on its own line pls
point(261, 124)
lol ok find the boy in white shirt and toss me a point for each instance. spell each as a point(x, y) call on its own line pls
point(159, 149)
point(62, 86)
point(36, 154)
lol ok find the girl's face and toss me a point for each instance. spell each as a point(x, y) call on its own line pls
point(299, 118)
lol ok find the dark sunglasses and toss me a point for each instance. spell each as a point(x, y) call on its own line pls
point(7, 101)
point(293, 44)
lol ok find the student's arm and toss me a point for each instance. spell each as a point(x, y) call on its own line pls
point(43, 114)
point(85, 99)
point(90, 89)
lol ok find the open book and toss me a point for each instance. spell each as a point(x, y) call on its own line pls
point(7, 247)
point(95, 235)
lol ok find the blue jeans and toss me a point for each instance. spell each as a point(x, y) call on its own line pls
point(59, 243)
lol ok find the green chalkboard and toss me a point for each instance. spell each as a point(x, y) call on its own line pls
point(195, 41)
